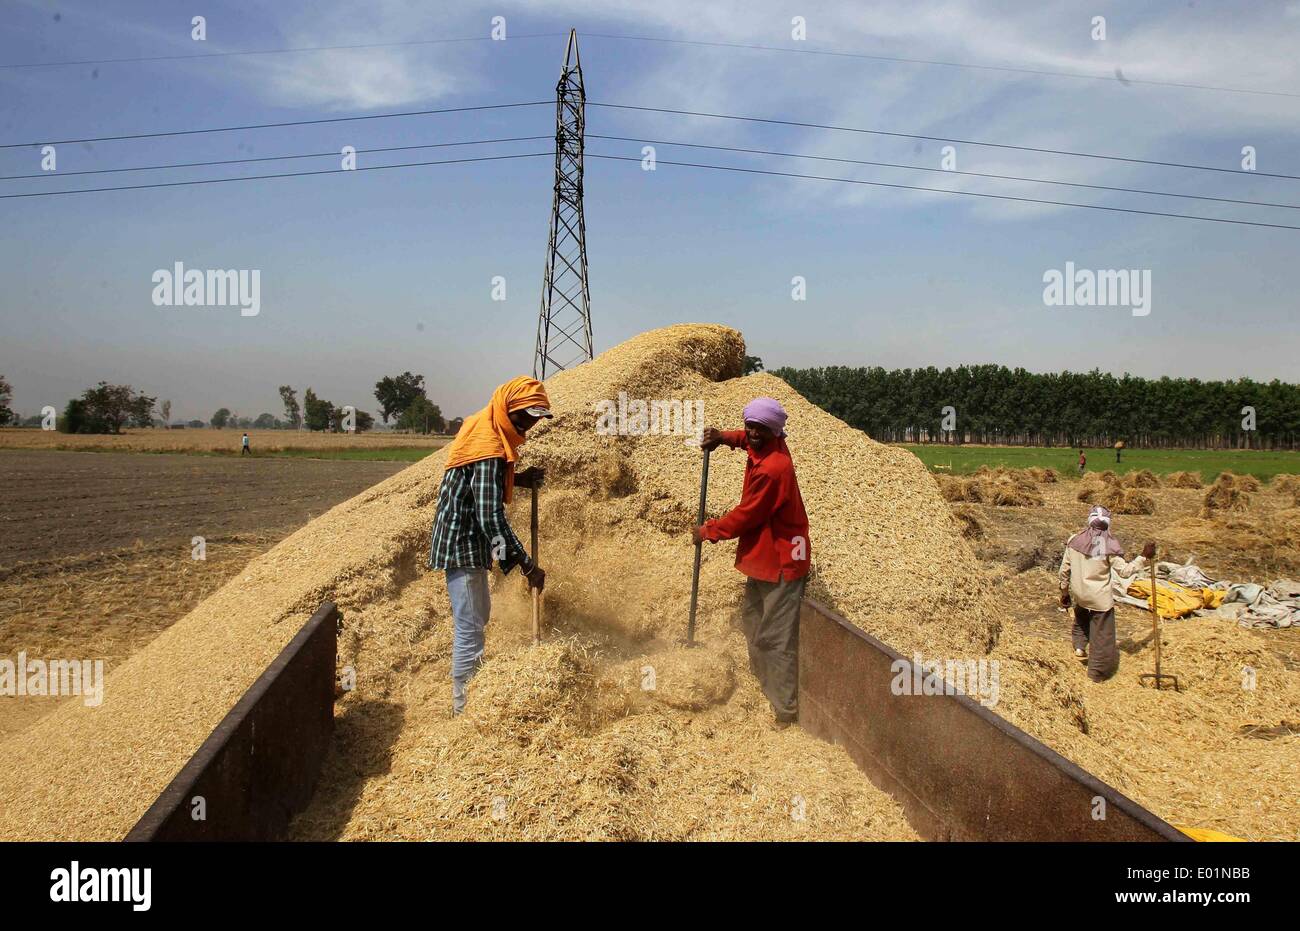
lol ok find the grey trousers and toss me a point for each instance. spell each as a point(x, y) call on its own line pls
point(1096, 630)
point(770, 619)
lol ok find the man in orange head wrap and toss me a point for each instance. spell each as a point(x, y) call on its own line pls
point(470, 531)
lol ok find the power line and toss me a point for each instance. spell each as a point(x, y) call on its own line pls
point(231, 129)
point(1117, 76)
point(989, 145)
point(268, 158)
point(290, 174)
point(275, 51)
point(948, 171)
point(931, 190)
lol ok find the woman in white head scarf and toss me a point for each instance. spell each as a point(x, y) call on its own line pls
point(1091, 556)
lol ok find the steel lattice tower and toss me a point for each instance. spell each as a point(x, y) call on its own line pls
point(564, 323)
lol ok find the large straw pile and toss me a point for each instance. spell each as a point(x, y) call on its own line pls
point(608, 731)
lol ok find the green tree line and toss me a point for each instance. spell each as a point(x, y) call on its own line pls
point(993, 404)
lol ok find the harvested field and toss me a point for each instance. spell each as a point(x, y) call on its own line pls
point(212, 441)
point(566, 741)
point(96, 551)
point(63, 504)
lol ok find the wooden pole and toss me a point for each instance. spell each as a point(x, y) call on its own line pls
point(695, 577)
point(1155, 616)
point(537, 595)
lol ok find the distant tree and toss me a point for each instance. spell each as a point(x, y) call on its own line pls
point(74, 419)
point(245, 423)
point(395, 395)
point(6, 396)
point(292, 413)
point(108, 408)
point(165, 408)
point(265, 422)
point(221, 418)
point(361, 421)
point(318, 414)
point(422, 416)
point(196, 424)
point(140, 410)
point(752, 364)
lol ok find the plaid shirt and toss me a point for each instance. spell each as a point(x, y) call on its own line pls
point(471, 529)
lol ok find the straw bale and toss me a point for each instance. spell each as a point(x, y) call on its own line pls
point(1247, 483)
point(1226, 495)
point(1091, 487)
point(1124, 500)
point(1140, 478)
point(1184, 480)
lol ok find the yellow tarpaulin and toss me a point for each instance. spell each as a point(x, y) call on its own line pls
point(1206, 834)
point(1175, 600)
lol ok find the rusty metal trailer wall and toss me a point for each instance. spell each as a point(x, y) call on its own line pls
point(260, 765)
point(960, 771)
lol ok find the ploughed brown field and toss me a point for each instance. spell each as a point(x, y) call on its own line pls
point(96, 551)
point(213, 441)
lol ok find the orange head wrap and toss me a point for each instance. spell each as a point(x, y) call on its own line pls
point(489, 434)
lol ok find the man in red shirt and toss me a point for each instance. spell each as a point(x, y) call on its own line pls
point(771, 528)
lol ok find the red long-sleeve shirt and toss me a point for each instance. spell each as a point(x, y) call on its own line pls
point(770, 522)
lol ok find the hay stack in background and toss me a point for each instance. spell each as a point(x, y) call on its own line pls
point(1092, 486)
point(1286, 486)
point(1285, 483)
point(997, 486)
point(952, 487)
point(969, 523)
point(1008, 491)
point(1246, 483)
point(1122, 500)
point(1140, 478)
point(1043, 476)
point(1184, 480)
point(1226, 496)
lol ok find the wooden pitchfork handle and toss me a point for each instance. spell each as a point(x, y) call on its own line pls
point(537, 595)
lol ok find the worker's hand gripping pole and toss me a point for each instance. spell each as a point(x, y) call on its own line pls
point(537, 595)
point(699, 546)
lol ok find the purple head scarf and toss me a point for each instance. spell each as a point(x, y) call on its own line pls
point(768, 412)
point(1096, 540)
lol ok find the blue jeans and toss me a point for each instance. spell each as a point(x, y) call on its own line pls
point(471, 603)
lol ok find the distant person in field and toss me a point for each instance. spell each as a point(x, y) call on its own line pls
point(470, 531)
point(772, 551)
point(243, 447)
point(1083, 462)
point(1091, 556)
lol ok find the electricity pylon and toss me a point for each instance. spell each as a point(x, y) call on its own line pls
point(564, 323)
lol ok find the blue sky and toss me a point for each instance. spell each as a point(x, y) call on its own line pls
point(374, 273)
